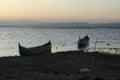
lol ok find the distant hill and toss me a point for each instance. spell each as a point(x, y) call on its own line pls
point(81, 25)
point(70, 25)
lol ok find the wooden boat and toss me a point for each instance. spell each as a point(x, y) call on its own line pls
point(34, 51)
point(84, 42)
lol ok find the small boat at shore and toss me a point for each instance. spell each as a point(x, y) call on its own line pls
point(34, 51)
point(83, 42)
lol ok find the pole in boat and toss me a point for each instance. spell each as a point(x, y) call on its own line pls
point(95, 45)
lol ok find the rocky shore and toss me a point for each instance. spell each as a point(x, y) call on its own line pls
point(71, 65)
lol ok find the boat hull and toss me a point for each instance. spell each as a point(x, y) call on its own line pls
point(83, 43)
point(35, 51)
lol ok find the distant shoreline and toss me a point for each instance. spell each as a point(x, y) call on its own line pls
point(71, 25)
point(54, 27)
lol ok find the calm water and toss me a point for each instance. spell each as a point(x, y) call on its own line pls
point(63, 39)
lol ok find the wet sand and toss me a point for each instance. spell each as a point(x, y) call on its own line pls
point(71, 65)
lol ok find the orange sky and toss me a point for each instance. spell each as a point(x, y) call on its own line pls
point(61, 10)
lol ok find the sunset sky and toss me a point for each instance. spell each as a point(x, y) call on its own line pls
point(61, 10)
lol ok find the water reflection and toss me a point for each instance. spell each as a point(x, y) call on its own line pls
point(63, 39)
point(63, 48)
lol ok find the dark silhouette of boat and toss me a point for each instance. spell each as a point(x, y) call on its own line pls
point(34, 51)
point(83, 42)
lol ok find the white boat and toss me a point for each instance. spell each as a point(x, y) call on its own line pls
point(83, 42)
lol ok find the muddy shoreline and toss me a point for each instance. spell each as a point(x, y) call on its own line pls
point(70, 65)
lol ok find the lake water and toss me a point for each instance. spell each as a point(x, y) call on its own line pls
point(63, 39)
